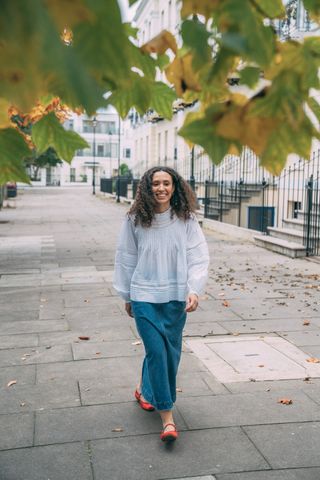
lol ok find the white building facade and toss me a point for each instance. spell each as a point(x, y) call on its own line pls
point(155, 141)
point(109, 147)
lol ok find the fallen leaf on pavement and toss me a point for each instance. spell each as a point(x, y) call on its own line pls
point(306, 322)
point(226, 303)
point(178, 389)
point(119, 429)
point(313, 360)
point(12, 382)
point(285, 401)
point(136, 343)
point(260, 366)
point(84, 337)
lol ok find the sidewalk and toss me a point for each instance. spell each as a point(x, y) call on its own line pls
point(66, 404)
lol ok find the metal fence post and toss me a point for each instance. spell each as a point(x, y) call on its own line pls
point(309, 211)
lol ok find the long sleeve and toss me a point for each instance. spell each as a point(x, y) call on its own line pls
point(197, 258)
point(125, 260)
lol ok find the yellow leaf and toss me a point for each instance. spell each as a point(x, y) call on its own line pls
point(181, 74)
point(69, 12)
point(190, 77)
point(4, 117)
point(203, 7)
point(285, 401)
point(160, 44)
point(254, 131)
point(313, 360)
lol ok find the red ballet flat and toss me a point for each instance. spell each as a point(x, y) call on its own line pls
point(171, 435)
point(144, 405)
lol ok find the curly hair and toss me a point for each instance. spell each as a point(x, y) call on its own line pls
point(183, 201)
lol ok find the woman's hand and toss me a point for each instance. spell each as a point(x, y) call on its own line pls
point(128, 309)
point(192, 302)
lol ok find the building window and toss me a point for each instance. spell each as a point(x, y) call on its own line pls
point(111, 150)
point(106, 127)
point(126, 152)
point(87, 126)
point(72, 174)
point(69, 124)
point(100, 151)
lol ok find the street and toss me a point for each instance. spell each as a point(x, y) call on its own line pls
point(248, 405)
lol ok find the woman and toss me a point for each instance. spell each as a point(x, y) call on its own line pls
point(160, 269)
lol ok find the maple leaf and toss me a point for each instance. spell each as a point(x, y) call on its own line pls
point(285, 401)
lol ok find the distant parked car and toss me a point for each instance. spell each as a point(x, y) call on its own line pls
point(11, 189)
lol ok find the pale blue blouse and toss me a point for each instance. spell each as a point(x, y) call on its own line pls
point(161, 263)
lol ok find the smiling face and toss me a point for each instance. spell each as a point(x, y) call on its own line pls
point(162, 189)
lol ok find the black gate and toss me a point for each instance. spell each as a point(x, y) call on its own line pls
point(311, 231)
point(106, 185)
point(259, 218)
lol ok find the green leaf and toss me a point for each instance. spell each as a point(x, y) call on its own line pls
point(250, 76)
point(235, 42)
point(163, 61)
point(313, 7)
point(315, 107)
point(131, 2)
point(270, 8)
point(241, 17)
point(143, 62)
point(48, 132)
point(138, 95)
point(202, 133)
point(162, 97)
point(102, 44)
point(195, 35)
point(13, 150)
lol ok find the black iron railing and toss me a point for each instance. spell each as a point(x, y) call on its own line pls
point(245, 195)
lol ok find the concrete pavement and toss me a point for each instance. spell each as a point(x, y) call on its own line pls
point(248, 403)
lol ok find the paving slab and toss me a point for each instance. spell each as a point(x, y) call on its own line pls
point(200, 384)
point(246, 409)
point(90, 349)
point(27, 356)
point(146, 458)
point(104, 335)
point(221, 314)
point(128, 368)
point(244, 357)
point(22, 375)
point(16, 431)
point(33, 326)
point(204, 329)
point(85, 423)
point(55, 462)
point(309, 336)
point(288, 446)
point(292, 474)
point(27, 398)
point(305, 385)
point(11, 341)
point(268, 326)
point(16, 316)
point(206, 477)
point(312, 350)
point(280, 308)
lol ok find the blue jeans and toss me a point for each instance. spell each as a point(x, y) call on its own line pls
point(160, 327)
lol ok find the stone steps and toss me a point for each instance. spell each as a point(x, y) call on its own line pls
point(279, 245)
